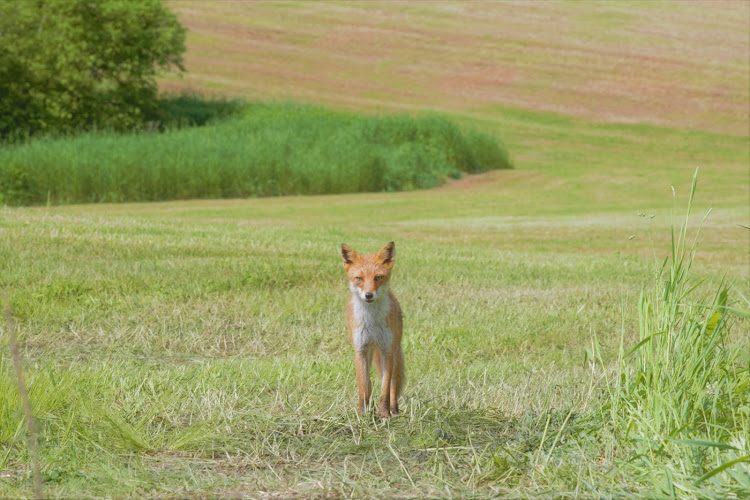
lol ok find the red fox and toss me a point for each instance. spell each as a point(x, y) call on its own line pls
point(375, 325)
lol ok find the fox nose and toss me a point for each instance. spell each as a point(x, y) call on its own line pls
point(368, 295)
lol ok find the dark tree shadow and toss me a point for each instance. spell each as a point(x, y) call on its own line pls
point(192, 110)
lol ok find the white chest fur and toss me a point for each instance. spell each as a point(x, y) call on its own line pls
point(370, 318)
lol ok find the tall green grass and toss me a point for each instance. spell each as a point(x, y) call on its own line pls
point(680, 403)
point(673, 420)
point(268, 150)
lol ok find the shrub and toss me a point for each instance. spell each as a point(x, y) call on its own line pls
point(72, 65)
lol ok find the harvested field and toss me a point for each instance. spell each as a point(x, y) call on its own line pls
point(681, 64)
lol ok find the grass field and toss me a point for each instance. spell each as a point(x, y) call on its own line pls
point(673, 63)
point(197, 348)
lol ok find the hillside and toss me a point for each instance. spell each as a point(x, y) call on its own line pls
point(679, 64)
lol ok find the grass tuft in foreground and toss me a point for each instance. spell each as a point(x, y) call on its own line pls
point(680, 402)
point(267, 150)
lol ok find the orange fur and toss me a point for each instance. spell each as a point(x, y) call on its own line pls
point(375, 324)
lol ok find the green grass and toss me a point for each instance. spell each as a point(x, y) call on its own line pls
point(266, 150)
point(198, 348)
point(680, 400)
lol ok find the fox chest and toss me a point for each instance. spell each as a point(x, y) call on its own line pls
point(370, 329)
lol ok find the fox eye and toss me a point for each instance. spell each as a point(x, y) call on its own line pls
point(359, 278)
point(378, 278)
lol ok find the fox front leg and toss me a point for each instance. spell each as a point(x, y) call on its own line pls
point(386, 372)
point(362, 367)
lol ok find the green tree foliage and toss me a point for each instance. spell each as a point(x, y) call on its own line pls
point(68, 65)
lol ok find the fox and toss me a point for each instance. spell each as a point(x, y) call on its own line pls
point(375, 325)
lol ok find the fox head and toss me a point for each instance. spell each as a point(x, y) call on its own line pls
point(369, 274)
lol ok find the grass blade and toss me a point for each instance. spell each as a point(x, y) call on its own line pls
point(723, 467)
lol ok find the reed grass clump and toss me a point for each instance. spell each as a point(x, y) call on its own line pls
point(267, 150)
point(680, 402)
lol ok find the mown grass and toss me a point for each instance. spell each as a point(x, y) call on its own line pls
point(463, 59)
point(198, 348)
point(266, 150)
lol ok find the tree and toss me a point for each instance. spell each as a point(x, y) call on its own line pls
point(69, 65)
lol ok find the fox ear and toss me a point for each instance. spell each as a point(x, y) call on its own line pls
point(348, 254)
point(387, 254)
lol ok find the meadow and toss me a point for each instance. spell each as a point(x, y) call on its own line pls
point(197, 348)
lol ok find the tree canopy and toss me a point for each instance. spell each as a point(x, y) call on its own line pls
point(68, 65)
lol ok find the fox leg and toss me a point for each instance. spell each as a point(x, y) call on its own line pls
point(397, 378)
point(362, 367)
point(386, 373)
